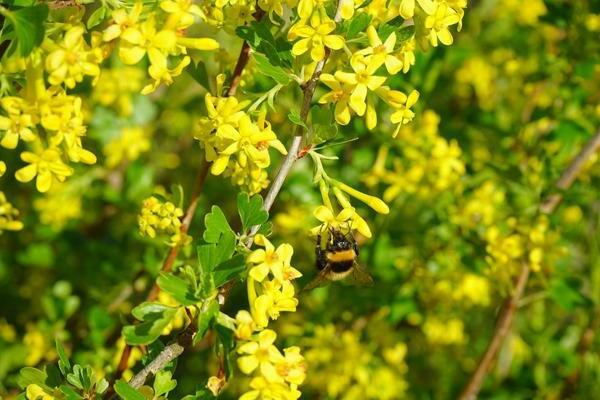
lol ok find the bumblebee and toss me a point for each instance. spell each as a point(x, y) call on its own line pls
point(338, 260)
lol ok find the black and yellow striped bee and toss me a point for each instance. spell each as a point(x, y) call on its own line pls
point(337, 259)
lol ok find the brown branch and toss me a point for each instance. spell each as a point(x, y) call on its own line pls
point(510, 305)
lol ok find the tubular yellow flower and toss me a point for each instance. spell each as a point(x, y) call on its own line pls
point(263, 389)
point(35, 392)
point(346, 220)
point(47, 166)
point(244, 325)
point(315, 38)
point(372, 201)
point(17, 125)
point(340, 95)
point(438, 22)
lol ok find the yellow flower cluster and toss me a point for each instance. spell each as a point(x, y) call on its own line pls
point(270, 292)
point(509, 246)
point(430, 163)
point(116, 87)
point(444, 332)
point(236, 144)
point(8, 216)
point(127, 147)
point(47, 118)
point(162, 217)
point(342, 366)
point(481, 208)
point(61, 204)
point(160, 36)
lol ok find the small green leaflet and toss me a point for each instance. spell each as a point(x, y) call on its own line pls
point(163, 383)
point(154, 316)
point(199, 73)
point(216, 225)
point(358, 24)
point(323, 124)
point(205, 319)
point(251, 210)
point(97, 17)
point(29, 27)
point(126, 392)
point(63, 361)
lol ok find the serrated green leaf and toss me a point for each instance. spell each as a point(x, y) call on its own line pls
point(216, 225)
point(251, 210)
point(178, 288)
point(126, 392)
point(266, 68)
point(163, 383)
point(29, 27)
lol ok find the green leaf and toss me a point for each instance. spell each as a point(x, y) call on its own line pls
point(358, 24)
point(268, 69)
point(29, 26)
point(405, 33)
point(63, 361)
point(229, 269)
point(97, 17)
point(386, 29)
point(205, 319)
point(216, 225)
point(126, 392)
point(202, 394)
point(30, 375)
point(296, 119)
point(154, 316)
point(163, 383)
point(180, 289)
point(70, 393)
point(251, 210)
point(323, 124)
point(199, 74)
point(81, 377)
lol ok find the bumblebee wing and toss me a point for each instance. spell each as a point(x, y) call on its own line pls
point(360, 276)
point(320, 280)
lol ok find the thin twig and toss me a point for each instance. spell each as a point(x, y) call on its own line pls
point(510, 305)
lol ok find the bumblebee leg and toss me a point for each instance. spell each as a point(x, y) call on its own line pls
point(355, 246)
point(321, 260)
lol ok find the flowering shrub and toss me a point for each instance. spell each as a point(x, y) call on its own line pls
point(172, 171)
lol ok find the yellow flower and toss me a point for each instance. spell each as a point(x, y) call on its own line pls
point(361, 80)
point(35, 392)
point(183, 11)
point(250, 140)
point(47, 166)
point(123, 21)
point(403, 114)
point(269, 259)
point(244, 325)
point(127, 147)
point(380, 53)
point(345, 220)
point(407, 7)
point(315, 38)
point(261, 354)
point(161, 217)
point(160, 72)
point(17, 125)
point(273, 298)
point(264, 389)
point(8, 215)
point(438, 22)
point(292, 368)
point(68, 61)
point(340, 95)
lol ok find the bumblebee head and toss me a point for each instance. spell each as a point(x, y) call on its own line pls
point(340, 241)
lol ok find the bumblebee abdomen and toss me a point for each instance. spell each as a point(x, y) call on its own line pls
point(341, 266)
point(341, 256)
